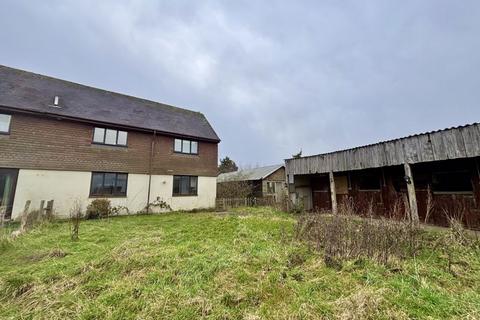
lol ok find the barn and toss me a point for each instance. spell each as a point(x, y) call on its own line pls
point(435, 175)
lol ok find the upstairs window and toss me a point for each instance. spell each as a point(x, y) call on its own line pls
point(110, 137)
point(5, 123)
point(108, 184)
point(185, 185)
point(185, 146)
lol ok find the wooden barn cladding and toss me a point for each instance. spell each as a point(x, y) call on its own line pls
point(453, 143)
point(436, 174)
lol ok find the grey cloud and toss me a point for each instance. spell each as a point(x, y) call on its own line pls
point(272, 77)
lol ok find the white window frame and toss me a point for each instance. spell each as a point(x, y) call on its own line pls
point(9, 122)
point(182, 143)
point(103, 142)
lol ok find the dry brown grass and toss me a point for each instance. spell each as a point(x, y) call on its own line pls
point(345, 236)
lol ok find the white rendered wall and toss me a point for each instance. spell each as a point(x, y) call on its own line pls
point(162, 187)
point(66, 187)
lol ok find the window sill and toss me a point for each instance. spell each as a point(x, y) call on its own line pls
point(107, 196)
point(185, 195)
point(110, 145)
point(185, 154)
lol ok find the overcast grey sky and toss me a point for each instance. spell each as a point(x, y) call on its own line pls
point(272, 77)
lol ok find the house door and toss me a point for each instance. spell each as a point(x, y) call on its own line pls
point(8, 181)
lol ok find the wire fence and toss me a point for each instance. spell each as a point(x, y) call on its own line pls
point(229, 203)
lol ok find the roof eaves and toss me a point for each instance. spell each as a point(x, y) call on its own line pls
point(113, 124)
point(385, 141)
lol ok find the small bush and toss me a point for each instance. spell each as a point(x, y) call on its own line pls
point(119, 210)
point(297, 206)
point(158, 205)
point(99, 208)
point(236, 187)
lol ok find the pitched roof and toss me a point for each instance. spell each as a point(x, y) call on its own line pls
point(249, 174)
point(26, 91)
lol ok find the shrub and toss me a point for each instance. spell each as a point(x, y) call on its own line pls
point(236, 187)
point(158, 205)
point(119, 210)
point(99, 208)
point(342, 237)
point(297, 206)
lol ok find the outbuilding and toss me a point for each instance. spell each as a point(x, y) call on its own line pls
point(435, 175)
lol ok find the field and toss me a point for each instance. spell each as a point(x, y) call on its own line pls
point(241, 265)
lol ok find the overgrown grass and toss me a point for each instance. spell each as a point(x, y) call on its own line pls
point(241, 265)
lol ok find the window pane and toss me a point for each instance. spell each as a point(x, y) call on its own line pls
point(193, 185)
point(186, 146)
point(121, 184)
point(111, 136)
point(176, 185)
point(97, 183)
point(122, 138)
point(178, 145)
point(109, 183)
point(184, 182)
point(98, 135)
point(194, 147)
point(5, 122)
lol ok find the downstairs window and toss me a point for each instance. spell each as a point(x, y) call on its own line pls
point(185, 185)
point(108, 184)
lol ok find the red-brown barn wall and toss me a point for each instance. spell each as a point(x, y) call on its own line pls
point(384, 200)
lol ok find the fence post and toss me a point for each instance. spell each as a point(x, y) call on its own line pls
point(42, 205)
point(49, 210)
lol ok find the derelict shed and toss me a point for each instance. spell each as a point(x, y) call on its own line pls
point(268, 181)
point(437, 172)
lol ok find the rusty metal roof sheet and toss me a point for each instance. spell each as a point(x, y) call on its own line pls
point(249, 174)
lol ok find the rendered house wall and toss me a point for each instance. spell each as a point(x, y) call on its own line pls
point(66, 187)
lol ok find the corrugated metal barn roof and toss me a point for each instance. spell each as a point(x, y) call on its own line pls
point(249, 174)
point(450, 143)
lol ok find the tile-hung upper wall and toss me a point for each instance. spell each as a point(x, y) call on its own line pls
point(37, 142)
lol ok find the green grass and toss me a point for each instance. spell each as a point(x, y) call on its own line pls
point(243, 265)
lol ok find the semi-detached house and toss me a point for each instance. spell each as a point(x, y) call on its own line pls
point(68, 142)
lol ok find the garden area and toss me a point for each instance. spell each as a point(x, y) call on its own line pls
point(248, 263)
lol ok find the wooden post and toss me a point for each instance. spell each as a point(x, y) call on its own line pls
point(42, 207)
point(49, 210)
point(333, 193)
point(412, 197)
point(23, 221)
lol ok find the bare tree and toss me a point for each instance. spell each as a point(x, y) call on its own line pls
point(75, 218)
